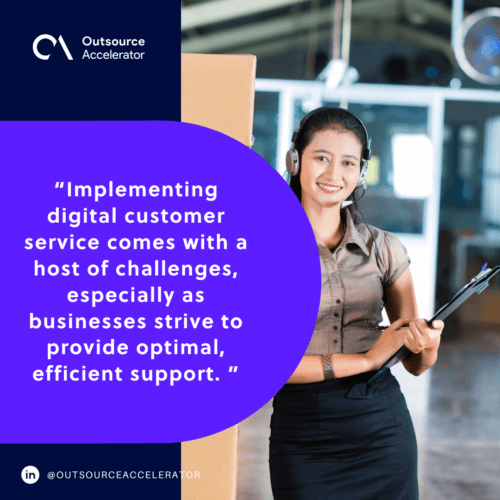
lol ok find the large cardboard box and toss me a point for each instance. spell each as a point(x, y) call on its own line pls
point(217, 92)
point(215, 458)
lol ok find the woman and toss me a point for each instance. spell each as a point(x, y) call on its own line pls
point(333, 436)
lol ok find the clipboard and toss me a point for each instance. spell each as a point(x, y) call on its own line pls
point(476, 285)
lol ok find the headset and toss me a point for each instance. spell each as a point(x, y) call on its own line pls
point(293, 164)
point(293, 157)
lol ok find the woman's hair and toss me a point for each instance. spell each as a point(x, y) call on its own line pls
point(326, 119)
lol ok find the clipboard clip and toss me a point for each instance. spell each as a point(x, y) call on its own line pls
point(483, 271)
point(484, 285)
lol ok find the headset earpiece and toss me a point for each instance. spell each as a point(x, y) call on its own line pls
point(292, 161)
point(362, 175)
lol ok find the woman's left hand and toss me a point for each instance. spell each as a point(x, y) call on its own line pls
point(421, 337)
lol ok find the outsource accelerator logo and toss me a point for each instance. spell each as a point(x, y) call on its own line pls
point(87, 41)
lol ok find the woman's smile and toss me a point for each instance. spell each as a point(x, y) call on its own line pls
point(329, 188)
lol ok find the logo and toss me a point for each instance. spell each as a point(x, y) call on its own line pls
point(54, 42)
point(30, 474)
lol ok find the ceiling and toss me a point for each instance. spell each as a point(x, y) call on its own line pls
point(266, 27)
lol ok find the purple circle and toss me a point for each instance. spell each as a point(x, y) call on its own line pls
point(274, 295)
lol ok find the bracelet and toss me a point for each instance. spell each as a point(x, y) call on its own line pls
point(327, 366)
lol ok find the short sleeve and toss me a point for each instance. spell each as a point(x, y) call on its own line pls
point(395, 257)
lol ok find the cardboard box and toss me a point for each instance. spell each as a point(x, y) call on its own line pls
point(217, 91)
point(215, 457)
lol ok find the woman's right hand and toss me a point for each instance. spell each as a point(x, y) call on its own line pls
point(387, 344)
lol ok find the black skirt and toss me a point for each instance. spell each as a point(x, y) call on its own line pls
point(342, 439)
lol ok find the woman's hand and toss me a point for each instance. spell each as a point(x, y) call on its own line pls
point(418, 338)
point(388, 343)
point(421, 337)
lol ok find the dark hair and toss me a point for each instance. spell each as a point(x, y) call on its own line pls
point(326, 119)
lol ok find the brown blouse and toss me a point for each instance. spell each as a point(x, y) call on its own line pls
point(352, 288)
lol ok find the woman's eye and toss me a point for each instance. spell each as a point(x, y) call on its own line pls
point(322, 158)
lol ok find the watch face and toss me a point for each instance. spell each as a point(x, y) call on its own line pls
point(477, 47)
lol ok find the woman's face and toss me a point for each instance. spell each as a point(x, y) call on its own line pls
point(330, 168)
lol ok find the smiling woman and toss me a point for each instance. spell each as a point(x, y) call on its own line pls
point(333, 435)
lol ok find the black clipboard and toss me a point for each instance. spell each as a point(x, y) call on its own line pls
point(476, 285)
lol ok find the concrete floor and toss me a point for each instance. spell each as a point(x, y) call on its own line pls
point(459, 454)
point(462, 450)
